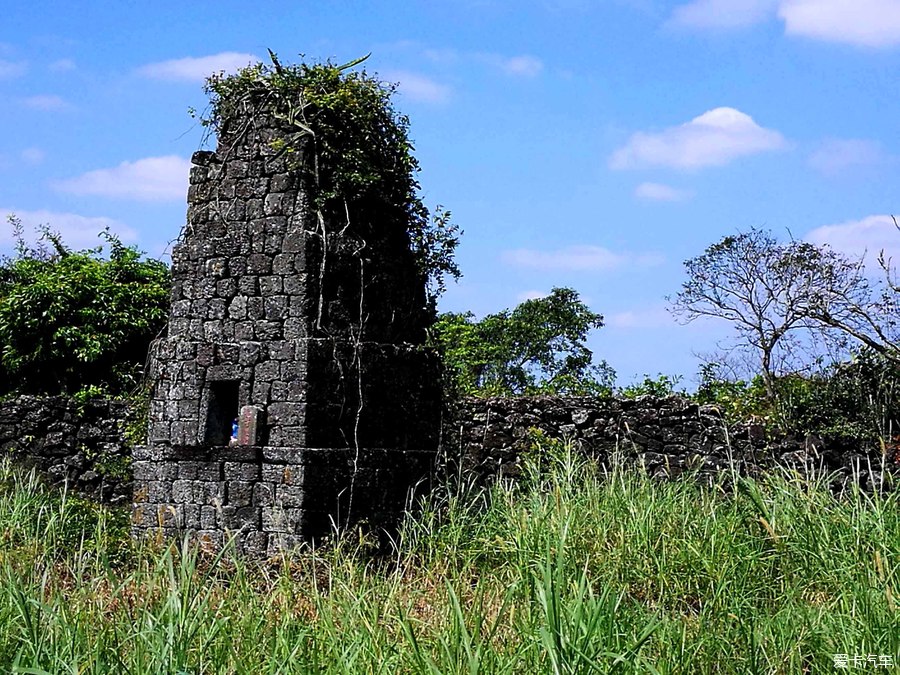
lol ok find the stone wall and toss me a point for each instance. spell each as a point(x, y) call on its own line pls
point(667, 436)
point(81, 444)
point(84, 444)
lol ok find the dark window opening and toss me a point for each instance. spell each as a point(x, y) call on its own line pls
point(222, 413)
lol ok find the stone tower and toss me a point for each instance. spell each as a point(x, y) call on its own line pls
point(307, 328)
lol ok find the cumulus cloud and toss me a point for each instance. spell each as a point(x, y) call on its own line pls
point(11, 69)
point(197, 68)
point(715, 138)
point(856, 238)
point(837, 155)
point(149, 179)
point(523, 65)
point(583, 258)
point(722, 13)
point(866, 23)
point(657, 192)
point(419, 87)
point(531, 295)
point(443, 55)
point(76, 230)
point(46, 102)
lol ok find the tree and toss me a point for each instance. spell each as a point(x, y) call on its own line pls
point(770, 292)
point(74, 319)
point(538, 347)
point(869, 316)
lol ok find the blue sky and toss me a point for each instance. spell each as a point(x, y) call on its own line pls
point(589, 143)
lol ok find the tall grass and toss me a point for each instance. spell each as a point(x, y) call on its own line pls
point(573, 570)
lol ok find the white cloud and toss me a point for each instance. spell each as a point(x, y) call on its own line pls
point(447, 55)
point(10, 69)
point(77, 231)
point(856, 238)
point(866, 23)
point(523, 66)
point(149, 179)
point(583, 258)
point(715, 138)
point(62, 66)
point(645, 317)
point(46, 102)
point(197, 69)
point(836, 155)
point(726, 14)
point(658, 192)
point(33, 155)
point(419, 87)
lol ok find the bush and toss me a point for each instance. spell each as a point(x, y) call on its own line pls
point(739, 400)
point(659, 386)
point(72, 320)
point(858, 399)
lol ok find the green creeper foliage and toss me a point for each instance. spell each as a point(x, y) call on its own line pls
point(538, 347)
point(75, 320)
point(362, 161)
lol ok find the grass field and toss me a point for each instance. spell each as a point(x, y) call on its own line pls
point(575, 570)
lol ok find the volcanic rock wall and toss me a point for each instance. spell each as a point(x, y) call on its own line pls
point(78, 444)
point(223, 488)
point(666, 436)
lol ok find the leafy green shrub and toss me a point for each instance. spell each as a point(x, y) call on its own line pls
point(75, 321)
point(739, 400)
point(858, 399)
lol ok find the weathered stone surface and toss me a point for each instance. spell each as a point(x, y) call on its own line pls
point(80, 444)
point(188, 488)
point(307, 335)
point(667, 436)
point(248, 425)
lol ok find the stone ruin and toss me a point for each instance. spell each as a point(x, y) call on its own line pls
point(310, 334)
